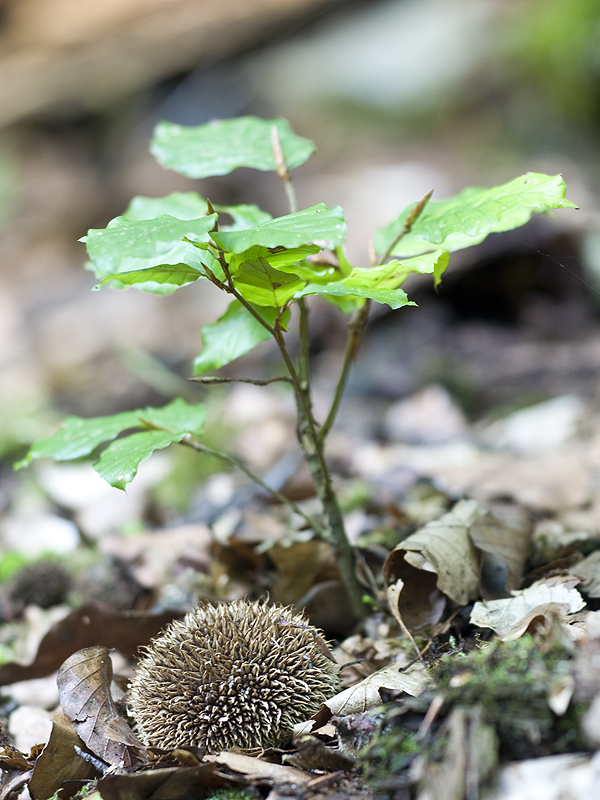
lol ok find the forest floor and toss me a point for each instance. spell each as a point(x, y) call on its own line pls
point(480, 534)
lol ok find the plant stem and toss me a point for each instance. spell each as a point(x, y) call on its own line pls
point(214, 379)
point(356, 328)
point(407, 227)
point(360, 317)
point(283, 172)
point(188, 441)
point(313, 453)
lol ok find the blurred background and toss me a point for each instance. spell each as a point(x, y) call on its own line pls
point(401, 96)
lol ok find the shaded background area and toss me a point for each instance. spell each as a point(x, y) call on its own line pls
point(401, 96)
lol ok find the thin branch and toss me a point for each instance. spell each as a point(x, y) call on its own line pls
point(359, 320)
point(304, 361)
point(212, 379)
point(356, 328)
point(229, 287)
point(407, 227)
point(283, 172)
point(188, 441)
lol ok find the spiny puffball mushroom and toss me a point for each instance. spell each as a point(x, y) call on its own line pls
point(236, 676)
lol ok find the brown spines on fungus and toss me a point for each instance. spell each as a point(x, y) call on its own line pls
point(236, 676)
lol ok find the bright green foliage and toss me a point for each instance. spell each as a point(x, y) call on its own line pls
point(220, 147)
point(155, 428)
point(132, 245)
point(468, 217)
point(233, 335)
point(266, 265)
point(382, 284)
point(318, 223)
point(131, 241)
point(191, 205)
point(182, 205)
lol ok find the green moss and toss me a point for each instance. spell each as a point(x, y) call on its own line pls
point(512, 682)
point(233, 793)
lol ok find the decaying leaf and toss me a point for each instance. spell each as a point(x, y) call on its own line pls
point(257, 771)
point(366, 695)
point(588, 570)
point(15, 769)
point(84, 689)
point(438, 560)
point(91, 624)
point(311, 753)
point(175, 783)
point(11, 758)
point(297, 568)
point(511, 617)
point(59, 761)
point(504, 540)
point(467, 552)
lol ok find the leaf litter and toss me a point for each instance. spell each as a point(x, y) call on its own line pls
point(453, 571)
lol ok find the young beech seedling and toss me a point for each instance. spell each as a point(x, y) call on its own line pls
point(268, 265)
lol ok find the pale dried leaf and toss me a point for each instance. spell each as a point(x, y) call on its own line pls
point(442, 548)
point(561, 693)
point(255, 770)
point(588, 570)
point(510, 617)
point(561, 777)
point(366, 694)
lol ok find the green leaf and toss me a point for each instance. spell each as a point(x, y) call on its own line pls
point(276, 258)
point(244, 216)
point(382, 284)
point(191, 205)
point(233, 335)
point(468, 217)
point(119, 463)
point(176, 416)
point(219, 147)
point(79, 437)
point(259, 283)
point(175, 274)
point(317, 223)
point(182, 205)
point(124, 240)
point(131, 245)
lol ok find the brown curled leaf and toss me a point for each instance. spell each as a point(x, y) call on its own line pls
point(84, 690)
point(176, 783)
point(59, 761)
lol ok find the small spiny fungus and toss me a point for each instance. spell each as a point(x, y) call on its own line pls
point(236, 676)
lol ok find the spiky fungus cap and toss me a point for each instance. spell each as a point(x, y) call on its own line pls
point(236, 676)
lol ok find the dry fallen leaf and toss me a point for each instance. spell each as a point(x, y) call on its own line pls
point(504, 539)
point(175, 783)
point(84, 689)
point(510, 617)
point(588, 569)
point(59, 761)
point(365, 695)
point(298, 566)
point(439, 559)
point(256, 771)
